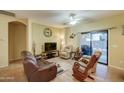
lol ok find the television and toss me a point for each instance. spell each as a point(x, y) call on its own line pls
point(49, 46)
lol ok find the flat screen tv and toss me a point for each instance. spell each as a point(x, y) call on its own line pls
point(49, 46)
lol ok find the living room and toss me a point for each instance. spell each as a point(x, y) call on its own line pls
point(48, 33)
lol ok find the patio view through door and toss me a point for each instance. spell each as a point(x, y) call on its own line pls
point(92, 41)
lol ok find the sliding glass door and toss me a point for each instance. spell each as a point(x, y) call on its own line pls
point(86, 44)
point(92, 41)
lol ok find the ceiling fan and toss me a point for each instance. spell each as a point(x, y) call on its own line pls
point(72, 20)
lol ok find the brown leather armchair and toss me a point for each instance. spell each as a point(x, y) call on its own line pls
point(81, 72)
point(38, 71)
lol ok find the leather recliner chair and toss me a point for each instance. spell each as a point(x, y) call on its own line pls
point(38, 72)
point(66, 53)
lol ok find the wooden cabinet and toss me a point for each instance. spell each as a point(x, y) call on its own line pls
point(50, 54)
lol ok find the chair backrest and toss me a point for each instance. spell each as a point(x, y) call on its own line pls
point(94, 58)
point(68, 48)
point(27, 54)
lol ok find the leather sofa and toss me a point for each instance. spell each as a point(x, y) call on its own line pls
point(37, 70)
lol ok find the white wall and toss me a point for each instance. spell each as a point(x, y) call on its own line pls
point(4, 39)
point(4, 20)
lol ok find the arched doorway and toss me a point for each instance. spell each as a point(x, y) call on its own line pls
point(17, 40)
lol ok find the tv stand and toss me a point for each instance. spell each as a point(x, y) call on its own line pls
point(51, 54)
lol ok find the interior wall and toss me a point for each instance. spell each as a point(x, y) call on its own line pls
point(4, 55)
point(4, 39)
point(39, 39)
point(116, 47)
point(116, 50)
point(17, 40)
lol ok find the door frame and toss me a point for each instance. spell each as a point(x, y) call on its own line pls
point(20, 23)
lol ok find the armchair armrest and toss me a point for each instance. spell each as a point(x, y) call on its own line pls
point(38, 57)
point(44, 74)
point(48, 66)
point(82, 66)
point(78, 65)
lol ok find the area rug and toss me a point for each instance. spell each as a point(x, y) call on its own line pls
point(61, 66)
point(60, 70)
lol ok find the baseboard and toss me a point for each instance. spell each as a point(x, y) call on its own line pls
point(3, 66)
point(120, 68)
point(18, 59)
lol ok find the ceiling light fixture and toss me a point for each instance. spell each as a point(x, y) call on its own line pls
point(72, 20)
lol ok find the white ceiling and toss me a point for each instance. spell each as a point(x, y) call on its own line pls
point(56, 18)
